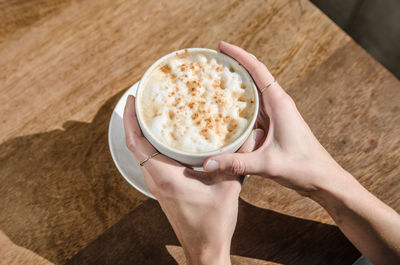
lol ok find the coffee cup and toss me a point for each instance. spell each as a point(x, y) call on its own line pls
point(195, 103)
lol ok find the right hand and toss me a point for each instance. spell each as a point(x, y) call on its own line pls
point(291, 155)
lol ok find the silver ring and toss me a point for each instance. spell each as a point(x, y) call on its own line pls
point(267, 86)
point(148, 158)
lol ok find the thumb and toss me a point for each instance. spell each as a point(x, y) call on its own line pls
point(234, 164)
point(239, 163)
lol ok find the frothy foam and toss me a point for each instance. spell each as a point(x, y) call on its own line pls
point(197, 102)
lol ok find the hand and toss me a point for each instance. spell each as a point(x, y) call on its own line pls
point(290, 153)
point(202, 208)
point(292, 156)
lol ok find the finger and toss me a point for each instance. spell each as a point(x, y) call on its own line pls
point(163, 170)
point(162, 174)
point(130, 122)
point(252, 142)
point(235, 164)
point(258, 70)
point(260, 73)
point(205, 177)
point(210, 178)
point(262, 120)
point(151, 185)
point(135, 140)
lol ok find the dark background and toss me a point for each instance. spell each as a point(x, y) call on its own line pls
point(374, 24)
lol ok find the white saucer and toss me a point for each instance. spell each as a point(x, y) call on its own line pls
point(123, 158)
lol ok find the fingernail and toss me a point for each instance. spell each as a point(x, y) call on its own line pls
point(224, 42)
point(211, 165)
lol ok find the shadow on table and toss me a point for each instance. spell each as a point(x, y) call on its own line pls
point(60, 190)
point(141, 236)
point(62, 197)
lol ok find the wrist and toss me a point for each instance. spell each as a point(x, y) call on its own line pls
point(336, 190)
point(210, 255)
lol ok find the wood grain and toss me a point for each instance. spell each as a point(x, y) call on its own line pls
point(10, 253)
point(65, 63)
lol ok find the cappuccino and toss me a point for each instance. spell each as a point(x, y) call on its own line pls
point(197, 102)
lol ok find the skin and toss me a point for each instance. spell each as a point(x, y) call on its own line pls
point(202, 208)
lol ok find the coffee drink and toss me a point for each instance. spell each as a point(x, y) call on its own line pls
point(196, 102)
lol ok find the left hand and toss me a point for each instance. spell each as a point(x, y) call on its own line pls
point(202, 208)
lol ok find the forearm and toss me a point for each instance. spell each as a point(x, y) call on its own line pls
point(372, 226)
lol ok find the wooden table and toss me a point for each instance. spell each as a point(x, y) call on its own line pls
point(63, 66)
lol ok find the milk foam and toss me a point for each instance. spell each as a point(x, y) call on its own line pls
point(197, 102)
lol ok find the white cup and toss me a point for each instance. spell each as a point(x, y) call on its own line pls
point(196, 159)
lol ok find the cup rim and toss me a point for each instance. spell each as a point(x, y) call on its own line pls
point(250, 126)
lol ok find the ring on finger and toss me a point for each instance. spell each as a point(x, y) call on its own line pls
point(148, 158)
point(267, 86)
